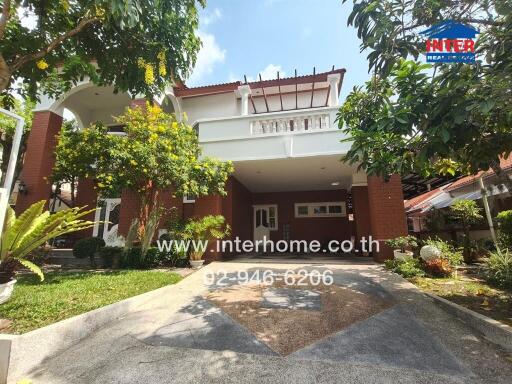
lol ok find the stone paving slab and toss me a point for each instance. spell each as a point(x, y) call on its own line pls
point(287, 298)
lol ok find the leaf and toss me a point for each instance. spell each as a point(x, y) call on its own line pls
point(34, 268)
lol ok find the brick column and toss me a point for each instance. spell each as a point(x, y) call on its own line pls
point(86, 195)
point(130, 205)
point(204, 206)
point(39, 159)
point(361, 211)
point(387, 213)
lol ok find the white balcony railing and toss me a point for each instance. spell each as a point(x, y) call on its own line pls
point(298, 133)
point(290, 124)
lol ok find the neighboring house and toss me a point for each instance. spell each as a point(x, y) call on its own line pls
point(420, 207)
point(283, 139)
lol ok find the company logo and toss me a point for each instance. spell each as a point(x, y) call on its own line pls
point(450, 42)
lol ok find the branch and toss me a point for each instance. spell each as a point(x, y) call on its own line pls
point(54, 44)
point(6, 14)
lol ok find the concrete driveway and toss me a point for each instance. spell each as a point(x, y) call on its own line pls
point(369, 326)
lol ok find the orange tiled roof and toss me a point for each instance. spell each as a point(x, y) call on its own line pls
point(408, 204)
point(504, 163)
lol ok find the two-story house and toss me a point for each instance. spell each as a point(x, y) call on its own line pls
point(283, 139)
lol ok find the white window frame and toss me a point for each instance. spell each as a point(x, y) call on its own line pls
point(188, 200)
point(267, 206)
point(311, 207)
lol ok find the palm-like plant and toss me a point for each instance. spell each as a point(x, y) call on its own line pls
point(201, 231)
point(32, 229)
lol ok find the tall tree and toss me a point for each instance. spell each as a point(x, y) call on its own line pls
point(158, 152)
point(134, 45)
point(412, 117)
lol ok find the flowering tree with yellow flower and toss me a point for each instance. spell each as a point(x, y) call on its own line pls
point(133, 45)
point(157, 153)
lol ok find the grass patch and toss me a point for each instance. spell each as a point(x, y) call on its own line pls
point(471, 293)
point(63, 295)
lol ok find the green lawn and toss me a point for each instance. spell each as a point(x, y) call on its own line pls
point(472, 293)
point(63, 295)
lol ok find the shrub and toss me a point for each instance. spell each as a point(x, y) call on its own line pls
point(88, 247)
point(203, 230)
point(498, 268)
point(403, 243)
point(111, 256)
point(134, 259)
point(448, 251)
point(505, 229)
point(406, 268)
point(438, 267)
point(466, 212)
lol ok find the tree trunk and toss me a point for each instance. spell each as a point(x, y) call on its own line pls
point(5, 75)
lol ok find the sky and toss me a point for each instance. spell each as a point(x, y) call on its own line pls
point(248, 37)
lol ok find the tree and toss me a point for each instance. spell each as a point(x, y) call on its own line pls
point(72, 164)
point(157, 153)
point(467, 212)
point(149, 42)
point(7, 129)
point(445, 119)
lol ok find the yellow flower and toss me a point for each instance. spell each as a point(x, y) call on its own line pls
point(101, 185)
point(141, 63)
point(42, 65)
point(162, 71)
point(174, 124)
point(133, 162)
point(149, 75)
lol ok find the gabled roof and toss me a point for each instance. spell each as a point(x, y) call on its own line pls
point(183, 91)
point(418, 203)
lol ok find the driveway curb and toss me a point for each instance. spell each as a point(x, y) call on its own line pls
point(25, 352)
point(493, 330)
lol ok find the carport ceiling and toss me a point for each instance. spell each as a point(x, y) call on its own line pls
point(294, 174)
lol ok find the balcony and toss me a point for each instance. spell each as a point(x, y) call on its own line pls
point(297, 133)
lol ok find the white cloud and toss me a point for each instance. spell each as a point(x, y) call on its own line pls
point(211, 17)
point(209, 56)
point(268, 73)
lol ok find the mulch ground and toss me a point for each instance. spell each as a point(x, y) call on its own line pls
point(288, 330)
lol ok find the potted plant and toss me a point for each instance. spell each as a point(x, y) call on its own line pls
point(401, 246)
point(199, 232)
point(25, 234)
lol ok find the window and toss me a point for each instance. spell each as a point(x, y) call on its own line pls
point(330, 209)
point(302, 210)
point(266, 216)
point(189, 199)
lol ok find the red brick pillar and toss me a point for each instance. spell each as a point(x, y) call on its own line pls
point(39, 159)
point(86, 195)
point(387, 213)
point(361, 211)
point(130, 205)
point(204, 206)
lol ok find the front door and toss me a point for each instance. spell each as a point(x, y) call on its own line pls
point(265, 220)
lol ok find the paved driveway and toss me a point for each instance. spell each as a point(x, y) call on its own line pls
point(369, 326)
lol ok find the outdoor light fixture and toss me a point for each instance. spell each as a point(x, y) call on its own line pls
point(335, 183)
point(22, 188)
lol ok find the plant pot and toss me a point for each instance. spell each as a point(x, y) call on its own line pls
point(399, 255)
point(196, 263)
point(6, 291)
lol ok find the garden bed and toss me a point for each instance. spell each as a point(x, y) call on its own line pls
point(63, 295)
point(471, 292)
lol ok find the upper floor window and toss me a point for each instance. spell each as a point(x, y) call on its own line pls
point(329, 209)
